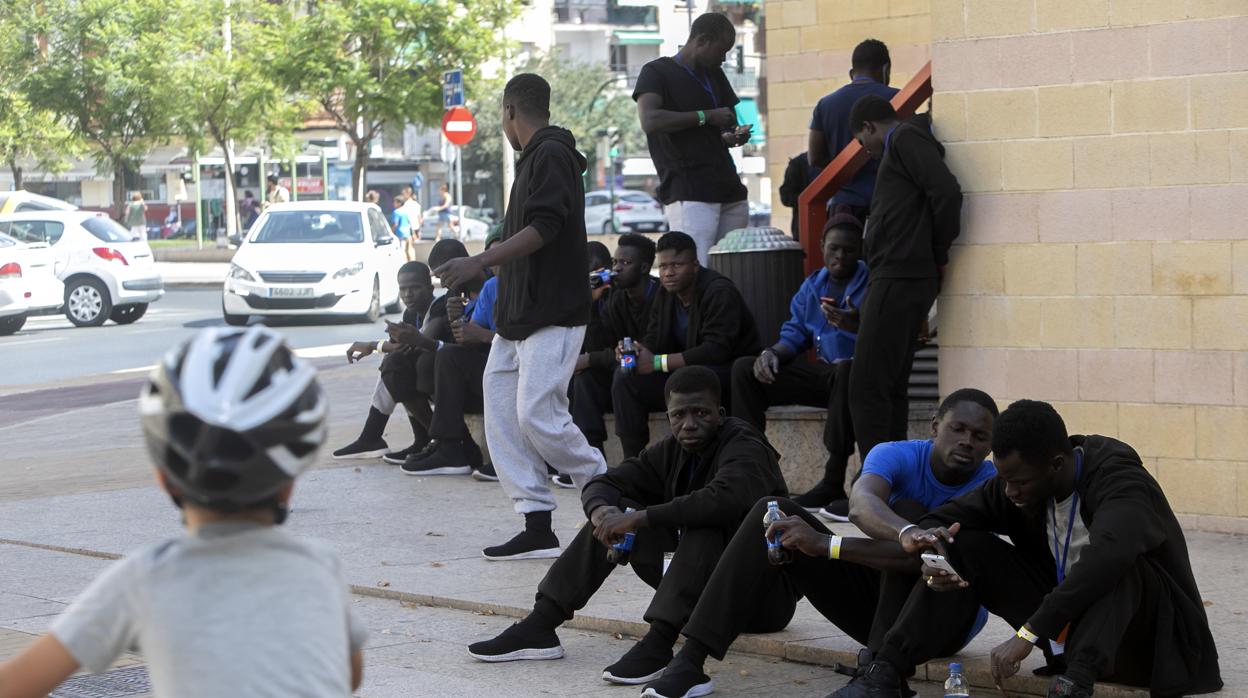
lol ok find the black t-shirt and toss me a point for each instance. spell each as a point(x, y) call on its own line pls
point(693, 164)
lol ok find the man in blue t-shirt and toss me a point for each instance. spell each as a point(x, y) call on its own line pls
point(829, 125)
point(859, 584)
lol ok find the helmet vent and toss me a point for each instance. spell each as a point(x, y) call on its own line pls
point(300, 449)
point(184, 429)
point(231, 446)
point(218, 480)
point(175, 462)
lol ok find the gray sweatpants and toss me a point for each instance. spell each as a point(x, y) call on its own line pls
point(526, 416)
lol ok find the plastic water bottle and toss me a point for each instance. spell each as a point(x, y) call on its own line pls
point(628, 357)
point(956, 686)
point(602, 277)
point(776, 554)
point(619, 553)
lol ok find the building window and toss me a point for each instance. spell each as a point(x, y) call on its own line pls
point(619, 58)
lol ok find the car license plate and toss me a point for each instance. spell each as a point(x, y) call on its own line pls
point(290, 292)
point(648, 227)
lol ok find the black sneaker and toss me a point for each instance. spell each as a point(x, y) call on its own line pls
point(836, 511)
point(642, 663)
point(444, 458)
point(564, 481)
point(361, 449)
point(485, 473)
point(526, 545)
point(879, 680)
point(818, 497)
point(1065, 687)
point(397, 457)
point(517, 643)
point(680, 679)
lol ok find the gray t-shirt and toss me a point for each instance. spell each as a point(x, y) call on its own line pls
point(235, 609)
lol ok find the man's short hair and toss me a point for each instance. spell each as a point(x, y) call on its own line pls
point(870, 55)
point(445, 250)
point(417, 268)
point(598, 254)
point(842, 221)
point(692, 379)
point(641, 243)
point(870, 108)
point(714, 26)
point(271, 179)
point(962, 395)
point(676, 241)
point(529, 94)
point(1033, 430)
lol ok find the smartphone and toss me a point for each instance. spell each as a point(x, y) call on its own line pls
point(829, 301)
point(939, 562)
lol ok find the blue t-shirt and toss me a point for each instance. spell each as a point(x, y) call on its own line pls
point(907, 467)
point(831, 118)
point(483, 307)
point(402, 224)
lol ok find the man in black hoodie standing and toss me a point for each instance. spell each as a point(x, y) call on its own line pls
point(915, 215)
point(690, 492)
point(540, 318)
point(698, 318)
point(1096, 571)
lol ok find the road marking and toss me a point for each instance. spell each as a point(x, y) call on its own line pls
point(304, 353)
point(16, 342)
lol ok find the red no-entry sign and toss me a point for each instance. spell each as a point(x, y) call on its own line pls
point(458, 126)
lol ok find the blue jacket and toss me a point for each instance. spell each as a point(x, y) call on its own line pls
point(807, 327)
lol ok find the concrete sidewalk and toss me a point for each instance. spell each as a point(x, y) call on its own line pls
point(418, 540)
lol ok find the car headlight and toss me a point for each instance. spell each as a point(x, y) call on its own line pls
point(237, 272)
point(349, 271)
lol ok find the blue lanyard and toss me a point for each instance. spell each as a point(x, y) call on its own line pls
point(1070, 526)
point(704, 84)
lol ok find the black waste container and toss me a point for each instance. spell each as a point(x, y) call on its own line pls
point(767, 267)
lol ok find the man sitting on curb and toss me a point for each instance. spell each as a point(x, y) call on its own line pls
point(1096, 569)
point(699, 318)
point(859, 584)
point(416, 292)
point(690, 491)
point(825, 316)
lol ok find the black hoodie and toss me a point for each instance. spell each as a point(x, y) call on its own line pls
point(1129, 523)
point(721, 327)
point(547, 287)
point(916, 208)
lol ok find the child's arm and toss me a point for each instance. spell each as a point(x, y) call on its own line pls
point(357, 670)
point(41, 668)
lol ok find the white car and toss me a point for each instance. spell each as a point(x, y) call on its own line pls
point(20, 200)
point(634, 212)
point(28, 284)
point(314, 258)
point(108, 273)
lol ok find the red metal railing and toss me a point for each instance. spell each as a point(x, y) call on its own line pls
point(812, 204)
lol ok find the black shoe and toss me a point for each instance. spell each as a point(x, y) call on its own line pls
point(879, 680)
point(1065, 687)
point(446, 458)
point(564, 481)
point(361, 449)
point(680, 679)
point(526, 545)
point(819, 496)
point(516, 643)
point(398, 457)
point(485, 473)
point(642, 663)
point(837, 511)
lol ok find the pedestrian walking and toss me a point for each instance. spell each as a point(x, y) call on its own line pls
point(136, 216)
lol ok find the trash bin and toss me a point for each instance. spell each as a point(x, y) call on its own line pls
point(767, 267)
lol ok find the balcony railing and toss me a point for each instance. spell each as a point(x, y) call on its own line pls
point(744, 81)
point(603, 12)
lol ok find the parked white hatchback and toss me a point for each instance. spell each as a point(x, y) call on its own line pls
point(28, 284)
point(633, 212)
point(108, 273)
point(314, 258)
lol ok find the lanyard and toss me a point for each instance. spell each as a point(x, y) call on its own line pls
point(1070, 526)
point(705, 84)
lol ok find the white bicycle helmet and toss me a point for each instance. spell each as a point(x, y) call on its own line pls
point(231, 415)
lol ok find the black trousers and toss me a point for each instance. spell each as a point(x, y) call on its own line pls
point(801, 383)
point(590, 396)
point(457, 389)
point(583, 567)
point(861, 601)
point(409, 376)
point(1112, 640)
point(891, 316)
point(635, 396)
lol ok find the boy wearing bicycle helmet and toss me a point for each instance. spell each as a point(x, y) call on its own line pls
point(236, 606)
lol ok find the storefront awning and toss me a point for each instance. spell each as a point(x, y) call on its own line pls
point(638, 38)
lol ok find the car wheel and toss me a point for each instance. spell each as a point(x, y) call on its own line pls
point(606, 227)
point(87, 303)
point(233, 320)
point(374, 304)
point(126, 314)
point(11, 324)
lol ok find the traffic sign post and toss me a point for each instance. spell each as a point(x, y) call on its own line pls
point(459, 127)
point(452, 89)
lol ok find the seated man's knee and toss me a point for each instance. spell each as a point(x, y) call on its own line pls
point(743, 369)
point(909, 509)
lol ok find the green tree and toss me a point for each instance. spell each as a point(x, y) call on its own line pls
point(369, 63)
point(104, 67)
point(31, 135)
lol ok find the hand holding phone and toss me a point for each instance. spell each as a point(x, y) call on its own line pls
point(939, 562)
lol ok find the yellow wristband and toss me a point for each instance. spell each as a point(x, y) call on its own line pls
point(834, 548)
point(665, 363)
point(1027, 635)
point(380, 342)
